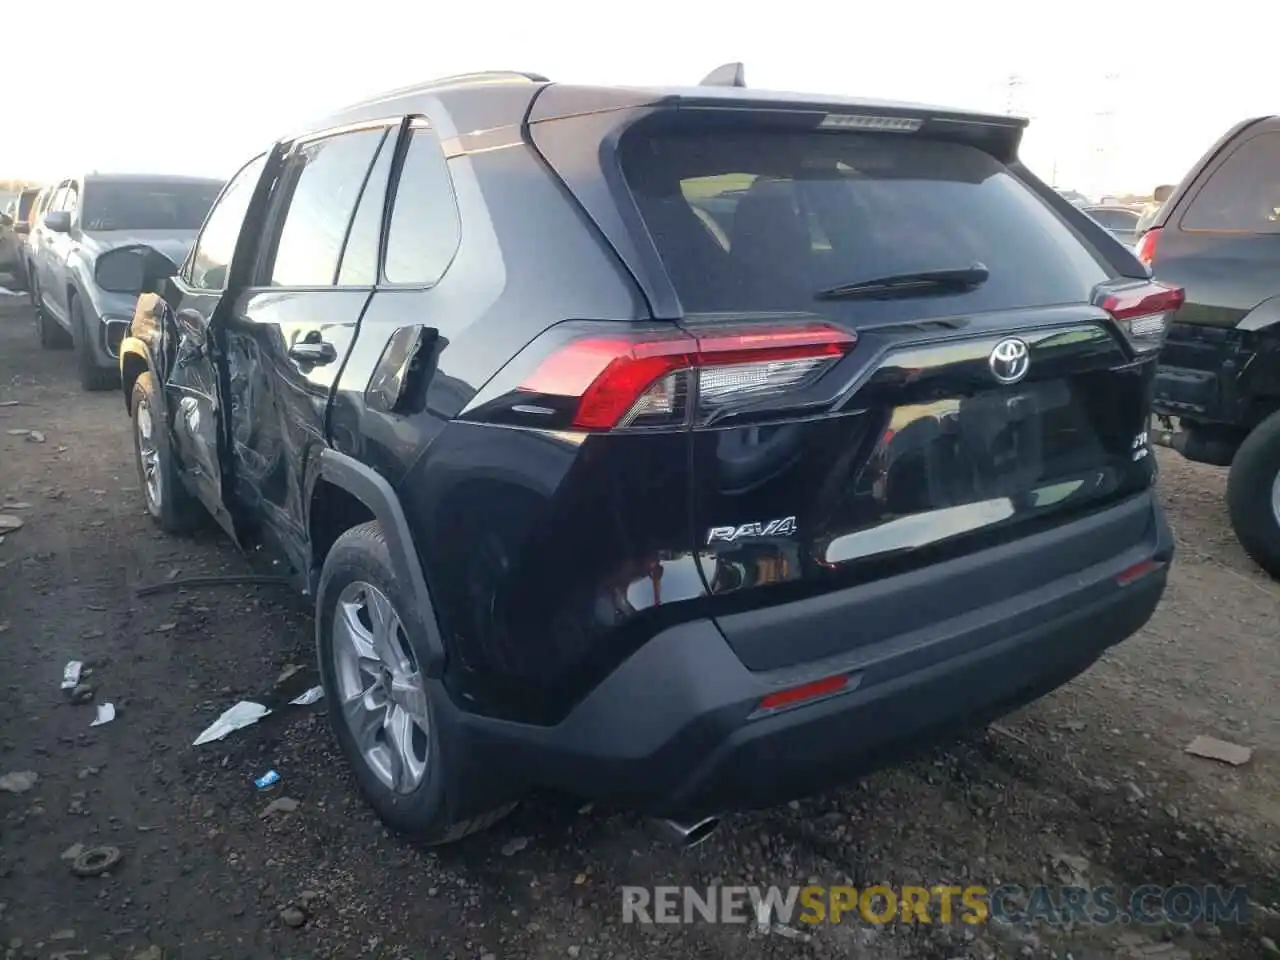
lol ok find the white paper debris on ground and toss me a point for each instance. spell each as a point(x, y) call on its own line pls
point(9, 522)
point(6, 292)
point(71, 674)
point(1211, 748)
point(106, 713)
point(310, 696)
point(20, 781)
point(243, 714)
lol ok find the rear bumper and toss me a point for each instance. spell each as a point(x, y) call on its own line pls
point(675, 730)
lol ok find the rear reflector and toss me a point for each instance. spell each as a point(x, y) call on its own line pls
point(808, 691)
point(1138, 571)
point(663, 379)
point(1144, 312)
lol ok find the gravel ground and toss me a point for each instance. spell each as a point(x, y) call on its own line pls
point(1091, 784)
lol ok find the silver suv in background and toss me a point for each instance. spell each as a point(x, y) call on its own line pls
point(15, 222)
point(84, 218)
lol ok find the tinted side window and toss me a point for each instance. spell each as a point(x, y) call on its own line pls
point(360, 255)
point(424, 230)
point(217, 241)
point(323, 180)
point(1244, 193)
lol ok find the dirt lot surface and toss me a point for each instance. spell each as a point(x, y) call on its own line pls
point(1090, 785)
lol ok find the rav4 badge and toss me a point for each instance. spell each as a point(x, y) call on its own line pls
point(782, 527)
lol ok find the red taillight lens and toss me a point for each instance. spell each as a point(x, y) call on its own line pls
point(608, 375)
point(1144, 311)
point(658, 379)
point(1147, 243)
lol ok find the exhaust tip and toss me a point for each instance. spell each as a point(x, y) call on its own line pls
point(686, 834)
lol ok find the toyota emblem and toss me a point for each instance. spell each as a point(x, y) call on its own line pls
point(1009, 360)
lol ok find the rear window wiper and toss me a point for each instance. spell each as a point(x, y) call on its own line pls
point(919, 283)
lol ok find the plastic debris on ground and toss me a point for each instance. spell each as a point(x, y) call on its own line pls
point(243, 714)
point(6, 292)
point(267, 780)
point(310, 696)
point(71, 674)
point(106, 713)
point(1211, 748)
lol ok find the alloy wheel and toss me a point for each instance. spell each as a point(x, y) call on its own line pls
point(382, 696)
point(148, 456)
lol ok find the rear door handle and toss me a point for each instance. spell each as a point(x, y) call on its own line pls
point(314, 352)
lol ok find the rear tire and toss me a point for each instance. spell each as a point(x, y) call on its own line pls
point(1253, 494)
point(412, 790)
point(92, 377)
point(168, 502)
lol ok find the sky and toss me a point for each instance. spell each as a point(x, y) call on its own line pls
point(1118, 97)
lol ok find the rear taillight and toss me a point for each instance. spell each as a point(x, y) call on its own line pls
point(1143, 311)
point(1146, 247)
point(586, 379)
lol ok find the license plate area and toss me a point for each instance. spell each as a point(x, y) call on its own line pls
point(962, 450)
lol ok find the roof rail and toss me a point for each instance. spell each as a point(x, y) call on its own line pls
point(725, 75)
point(482, 75)
point(479, 76)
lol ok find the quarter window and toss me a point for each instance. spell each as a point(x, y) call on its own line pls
point(1242, 195)
point(425, 231)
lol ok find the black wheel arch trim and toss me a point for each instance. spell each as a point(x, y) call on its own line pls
point(373, 490)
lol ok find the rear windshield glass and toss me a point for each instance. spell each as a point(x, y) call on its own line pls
point(762, 220)
point(1114, 219)
point(138, 205)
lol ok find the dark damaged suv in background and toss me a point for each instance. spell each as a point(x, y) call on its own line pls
point(688, 449)
point(1218, 387)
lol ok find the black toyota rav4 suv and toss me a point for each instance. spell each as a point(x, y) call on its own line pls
point(1218, 386)
point(684, 449)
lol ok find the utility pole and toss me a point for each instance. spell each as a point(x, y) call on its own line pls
point(1013, 85)
point(1105, 142)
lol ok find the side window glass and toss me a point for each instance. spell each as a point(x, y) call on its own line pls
point(1242, 195)
point(424, 231)
point(72, 200)
point(217, 241)
point(360, 256)
point(58, 197)
point(323, 180)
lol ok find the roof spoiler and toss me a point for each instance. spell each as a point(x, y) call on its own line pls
point(725, 75)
